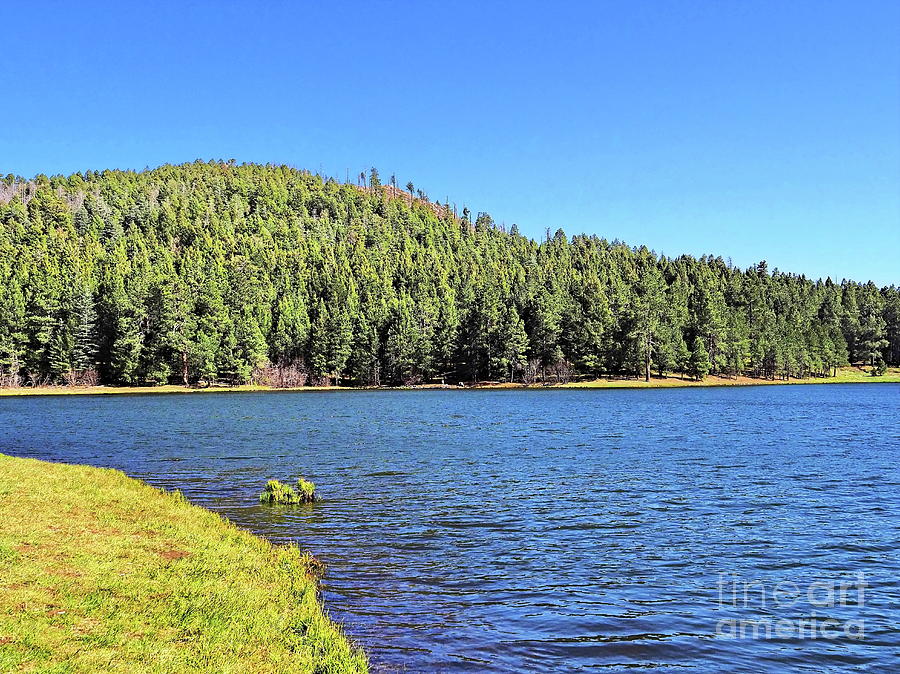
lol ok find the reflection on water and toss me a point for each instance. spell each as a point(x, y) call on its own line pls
point(541, 530)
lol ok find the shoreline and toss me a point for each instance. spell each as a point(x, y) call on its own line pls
point(846, 375)
point(102, 571)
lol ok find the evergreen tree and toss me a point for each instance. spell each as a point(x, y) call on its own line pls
point(699, 363)
point(85, 344)
point(647, 311)
point(513, 342)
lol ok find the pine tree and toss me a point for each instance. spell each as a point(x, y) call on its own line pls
point(513, 341)
point(85, 345)
point(736, 342)
point(682, 356)
point(648, 307)
point(699, 364)
point(872, 331)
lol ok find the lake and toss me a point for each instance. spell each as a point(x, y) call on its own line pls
point(703, 529)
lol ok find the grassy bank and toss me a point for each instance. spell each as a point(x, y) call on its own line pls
point(846, 375)
point(100, 572)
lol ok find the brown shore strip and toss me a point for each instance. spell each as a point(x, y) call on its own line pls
point(846, 375)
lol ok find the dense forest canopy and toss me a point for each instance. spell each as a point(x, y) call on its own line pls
point(214, 271)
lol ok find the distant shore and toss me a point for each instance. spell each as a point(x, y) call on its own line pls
point(846, 375)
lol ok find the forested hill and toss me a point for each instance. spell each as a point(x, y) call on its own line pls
point(221, 272)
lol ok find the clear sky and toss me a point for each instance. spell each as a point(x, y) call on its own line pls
point(752, 130)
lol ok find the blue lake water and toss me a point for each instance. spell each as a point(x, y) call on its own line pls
point(558, 530)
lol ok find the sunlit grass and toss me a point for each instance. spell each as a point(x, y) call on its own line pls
point(307, 490)
point(99, 572)
point(846, 375)
point(279, 493)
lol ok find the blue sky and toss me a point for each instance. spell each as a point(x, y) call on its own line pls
point(751, 130)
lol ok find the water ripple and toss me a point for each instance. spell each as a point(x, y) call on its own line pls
point(479, 531)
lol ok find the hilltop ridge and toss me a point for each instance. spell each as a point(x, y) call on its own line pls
point(214, 271)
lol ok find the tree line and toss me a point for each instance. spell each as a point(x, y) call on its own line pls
point(217, 272)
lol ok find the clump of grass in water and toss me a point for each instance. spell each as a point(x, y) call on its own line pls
point(307, 490)
point(279, 493)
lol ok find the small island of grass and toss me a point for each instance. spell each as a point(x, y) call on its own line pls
point(100, 572)
point(279, 493)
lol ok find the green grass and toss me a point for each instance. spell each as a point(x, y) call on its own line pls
point(279, 493)
point(852, 375)
point(307, 490)
point(845, 375)
point(100, 572)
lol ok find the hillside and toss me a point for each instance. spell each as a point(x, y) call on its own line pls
point(209, 272)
